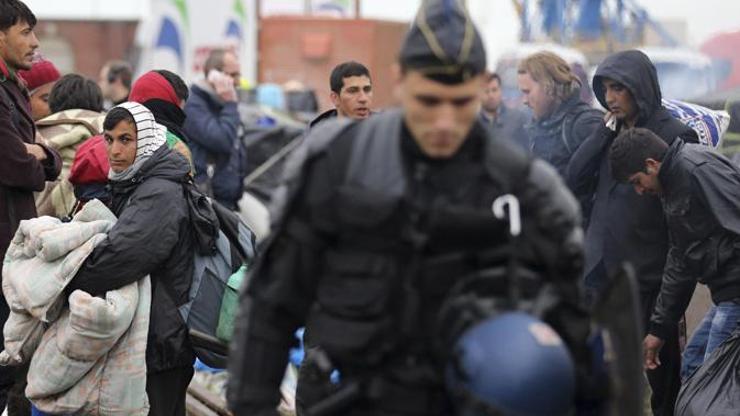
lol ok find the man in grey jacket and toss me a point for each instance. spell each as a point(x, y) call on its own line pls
point(507, 123)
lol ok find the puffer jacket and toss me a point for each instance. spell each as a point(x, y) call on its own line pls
point(153, 236)
point(65, 131)
point(701, 196)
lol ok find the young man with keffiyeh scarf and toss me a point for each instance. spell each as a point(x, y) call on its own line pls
point(152, 237)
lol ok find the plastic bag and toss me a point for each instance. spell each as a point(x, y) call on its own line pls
point(710, 125)
point(230, 305)
point(714, 389)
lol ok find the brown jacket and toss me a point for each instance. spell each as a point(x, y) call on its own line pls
point(20, 173)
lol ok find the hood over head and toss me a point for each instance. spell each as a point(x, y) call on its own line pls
point(634, 70)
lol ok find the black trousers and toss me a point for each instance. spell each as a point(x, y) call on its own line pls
point(12, 379)
point(665, 381)
point(167, 390)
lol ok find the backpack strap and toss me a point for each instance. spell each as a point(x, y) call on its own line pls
point(203, 218)
point(569, 121)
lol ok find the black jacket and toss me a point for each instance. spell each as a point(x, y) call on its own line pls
point(326, 115)
point(337, 249)
point(622, 225)
point(152, 237)
point(701, 201)
point(555, 138)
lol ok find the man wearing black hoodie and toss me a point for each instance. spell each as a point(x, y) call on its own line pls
point(624, 227)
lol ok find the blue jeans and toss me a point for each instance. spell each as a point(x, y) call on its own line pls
point(718, 324)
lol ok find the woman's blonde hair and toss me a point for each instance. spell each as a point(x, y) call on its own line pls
point(552, 72)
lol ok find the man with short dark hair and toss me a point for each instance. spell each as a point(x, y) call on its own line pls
point(25, 166)
point(376, 222)
point(213, 126)
point(700, 192)
point(351, 92)
point(115, 82)
point(506, 123)
point(623, 227)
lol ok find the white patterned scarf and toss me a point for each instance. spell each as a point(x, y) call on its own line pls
point(150, 136)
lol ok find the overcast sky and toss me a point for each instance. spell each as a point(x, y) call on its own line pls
point(704, 17)
point(496, 19)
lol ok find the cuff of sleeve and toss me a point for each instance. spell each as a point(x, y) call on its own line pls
point(231, 106)
point(50, 165)
point(606, 132)
point(661, 331)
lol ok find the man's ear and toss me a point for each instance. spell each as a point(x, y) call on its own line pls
point(397, 76)
point(652, 166)
point(334, 98)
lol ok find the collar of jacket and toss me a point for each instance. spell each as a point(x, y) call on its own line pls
point(207, 91)
point(326, 115)
point(495, 120)
point(665, 174)
point(6, 73)
point(555, 119)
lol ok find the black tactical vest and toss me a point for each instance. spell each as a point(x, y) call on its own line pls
point(395, 258)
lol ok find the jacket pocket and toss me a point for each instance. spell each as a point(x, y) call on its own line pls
point(364, 208)
point(356, 284)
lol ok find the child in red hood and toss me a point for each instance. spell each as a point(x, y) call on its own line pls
point(89, 173)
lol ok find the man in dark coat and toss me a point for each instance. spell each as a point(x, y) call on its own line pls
point(153, 236)
point(379, 219)
point(213, 128)
point(560, 120)
point(506, 123)
point(622, 226)
point(25, 166)
point(700, 191)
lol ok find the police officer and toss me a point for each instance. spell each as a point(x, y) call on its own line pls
point(377, 221)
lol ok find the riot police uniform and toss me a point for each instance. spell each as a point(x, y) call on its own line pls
point(370, 236)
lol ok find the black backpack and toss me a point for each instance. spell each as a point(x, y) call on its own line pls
point(224, 243)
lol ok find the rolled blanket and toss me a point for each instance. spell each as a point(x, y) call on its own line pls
point(92, 358)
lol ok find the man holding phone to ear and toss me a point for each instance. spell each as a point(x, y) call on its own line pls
point(212, 125)
point(622, 226)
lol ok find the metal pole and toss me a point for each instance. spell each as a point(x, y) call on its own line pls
point(357, 9)
point(307, 7)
